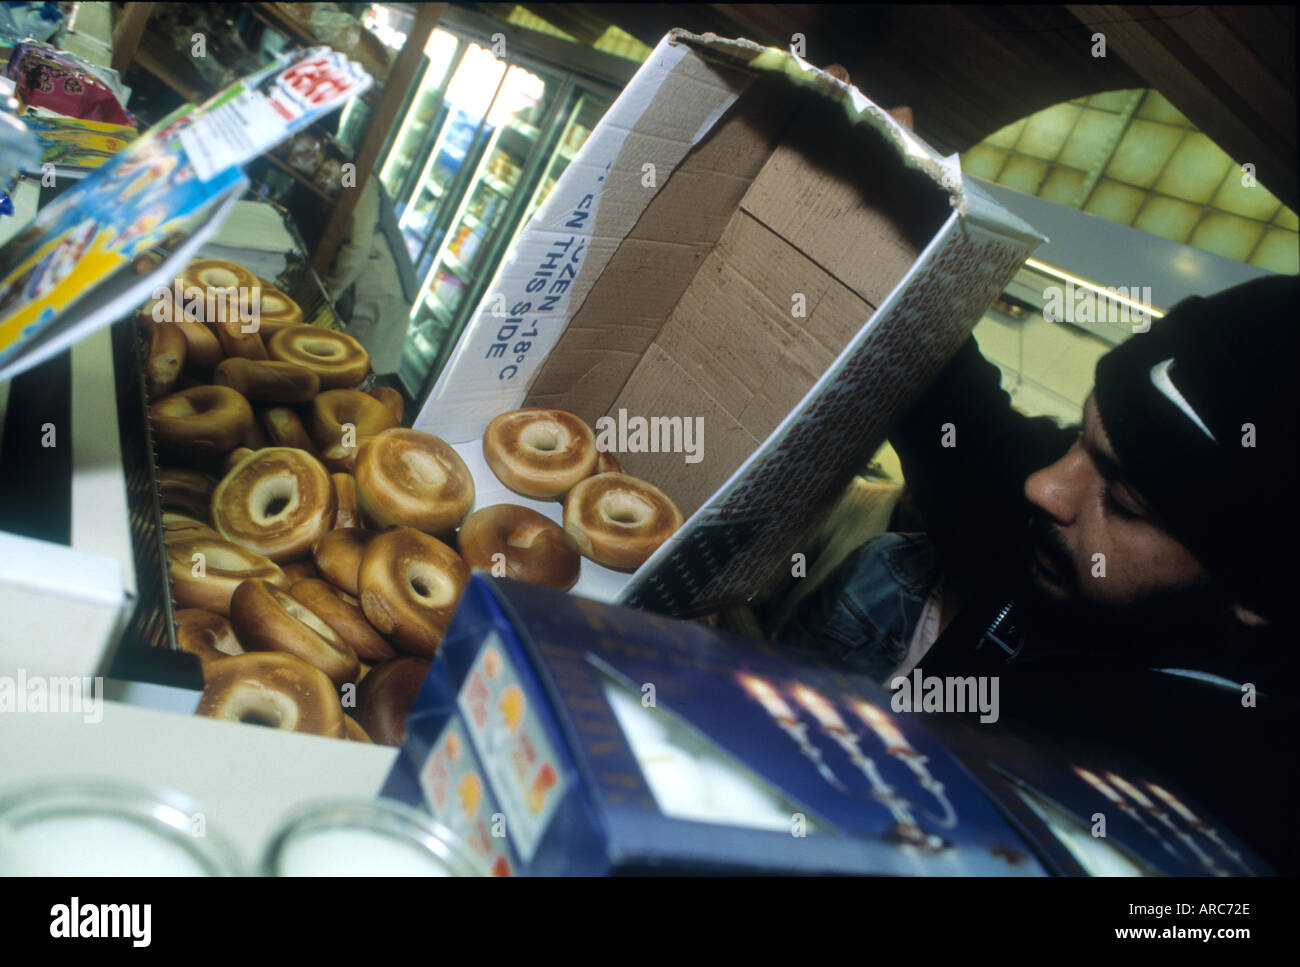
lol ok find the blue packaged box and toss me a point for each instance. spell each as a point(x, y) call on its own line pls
point(560, 736)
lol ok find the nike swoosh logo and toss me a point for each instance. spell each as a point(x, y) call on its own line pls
point(1161, 379)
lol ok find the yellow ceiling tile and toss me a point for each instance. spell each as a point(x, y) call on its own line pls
point(1047, 130)
point(1142, 152)
point(1006, 137)
point(1257, 202)
point(1115, 201)
point(1278, 252)
point(1156, 108)
point(983, 161)
point(1062, 186)
point(1286, 218)
point(1089, 139)
point(1168, 217)
point(1195, 171)
point(1023, 174)
point(1114, 101)
point(1226, 235)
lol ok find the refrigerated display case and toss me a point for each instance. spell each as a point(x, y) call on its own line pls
point(481, 142)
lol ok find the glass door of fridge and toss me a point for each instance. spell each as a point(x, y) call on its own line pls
point(465, 254)
point(457, 145)
point(422, 120)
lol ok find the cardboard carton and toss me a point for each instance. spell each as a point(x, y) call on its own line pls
point(750, 245)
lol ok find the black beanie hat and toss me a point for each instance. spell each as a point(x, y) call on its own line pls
point(1201, 411)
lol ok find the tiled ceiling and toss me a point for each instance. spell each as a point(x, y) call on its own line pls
point(1132, 157)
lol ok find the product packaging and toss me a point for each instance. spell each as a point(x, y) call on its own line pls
point(80, 265)
point(558, 735)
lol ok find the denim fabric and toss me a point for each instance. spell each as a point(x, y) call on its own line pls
point(866, 612)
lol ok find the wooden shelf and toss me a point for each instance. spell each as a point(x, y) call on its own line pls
point(150, 63)
point(297, 176)
point(131, 47)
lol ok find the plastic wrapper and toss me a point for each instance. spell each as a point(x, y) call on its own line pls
point(62, 82)
point(306, 154)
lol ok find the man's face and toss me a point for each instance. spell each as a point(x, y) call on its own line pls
point(1095, 545)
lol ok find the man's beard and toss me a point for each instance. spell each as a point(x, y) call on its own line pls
point(1192, 617)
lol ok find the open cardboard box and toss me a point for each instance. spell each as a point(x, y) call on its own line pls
point(746, 240)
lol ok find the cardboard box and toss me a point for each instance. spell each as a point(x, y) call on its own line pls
point(748, 242)
point(557, 735)
point(520, 744)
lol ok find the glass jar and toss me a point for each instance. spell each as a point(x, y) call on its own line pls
point(105, 827)
point(364, 838)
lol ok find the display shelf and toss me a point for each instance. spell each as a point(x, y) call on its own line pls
point(384, 98)
point(457, 267)
point(147, 60)
point(297, 176)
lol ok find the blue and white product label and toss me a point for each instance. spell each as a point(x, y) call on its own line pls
point(457, 795)
point(313, 83)
point(521, 765)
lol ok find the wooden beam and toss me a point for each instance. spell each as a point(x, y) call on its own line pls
point(1210, 74)
point(390, 104)
point(127, 33)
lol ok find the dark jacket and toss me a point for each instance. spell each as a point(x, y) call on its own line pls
point(1081, 692)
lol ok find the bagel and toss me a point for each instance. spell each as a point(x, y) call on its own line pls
point(186, 491)
point(238, 342)
point(205, 634)
point(267, 618)
point(179, 527)
point(531, 547)
point(618, 521)
point(338, 556)
point(267, 380)
point(342, 420)
point(275, 689)
point(232, 460)
point(392, 399)
point(205, 571)
point(410, 585)
point(337, 358)
point(278, 502)
point(540, 453)
point(346, 511)
point(206, 421)
point(412, 479)
point(385, 697)
point(216, 274)
point(354, 732)
point(299, 571)
point(256, 438)
point(276, 311)
point(202, 347)
point(165, 359)
point(285, 429)
point(347, 620)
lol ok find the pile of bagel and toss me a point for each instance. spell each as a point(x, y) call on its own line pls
point(316, 548)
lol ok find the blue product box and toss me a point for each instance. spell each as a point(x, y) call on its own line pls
point(514, 744)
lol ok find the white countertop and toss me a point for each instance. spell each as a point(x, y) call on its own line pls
point(244, 779)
